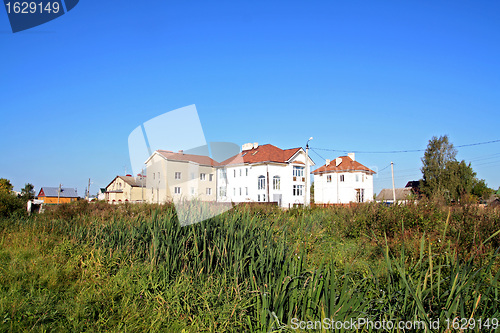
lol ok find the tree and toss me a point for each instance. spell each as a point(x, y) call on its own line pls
point(5, 185)
point(438, 154)
point(9, 203)
point(459, 179)
point(28, 192)
point(445, 177)
point(481, 190)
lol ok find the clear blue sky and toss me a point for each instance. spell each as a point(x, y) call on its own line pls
point(355, 75)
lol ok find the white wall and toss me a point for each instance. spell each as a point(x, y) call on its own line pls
point(269, 170)
point(342, 192)
point(161, 181)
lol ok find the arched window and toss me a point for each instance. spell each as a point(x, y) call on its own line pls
point(261, 185)
point(276, 183)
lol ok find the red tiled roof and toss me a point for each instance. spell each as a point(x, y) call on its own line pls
point(347, 164)
point(263, 153)
point(203, 160)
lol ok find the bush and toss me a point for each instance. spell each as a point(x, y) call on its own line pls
point(10, 204)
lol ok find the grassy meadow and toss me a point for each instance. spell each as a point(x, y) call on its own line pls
point(132, 268)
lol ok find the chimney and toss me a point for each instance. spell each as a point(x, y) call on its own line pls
point(338, 160)
point(255, 145)
point(352, 156)
point(246, 146)
point(327, 162)
point(181, 151)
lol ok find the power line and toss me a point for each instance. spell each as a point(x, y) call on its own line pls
point(402, 151)
point(317, 154)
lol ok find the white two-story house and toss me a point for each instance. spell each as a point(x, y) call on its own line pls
point(264, 173)
point(178, 176)
point(342, 181)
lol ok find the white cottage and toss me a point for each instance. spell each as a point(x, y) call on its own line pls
point(264, 173)
point(342, 181)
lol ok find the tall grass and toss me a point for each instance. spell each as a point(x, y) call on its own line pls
point(250, 269)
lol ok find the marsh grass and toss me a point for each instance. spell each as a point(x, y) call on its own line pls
point(134, 268)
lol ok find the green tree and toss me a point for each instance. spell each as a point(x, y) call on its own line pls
point(459, 179)
point(438, 154)
point(5, 185)
point(445, 177)
point(481, 190)
point(28, 192)
point(9, 203)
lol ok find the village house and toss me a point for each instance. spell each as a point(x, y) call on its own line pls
point(126, 189)
point(342, 181)
point(403, 195)
point(178, 176)
point(264, 173)
point(56, 195)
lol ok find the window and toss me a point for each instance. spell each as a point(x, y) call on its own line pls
point(341, 178)
point(234, 191)
point(246, 171)
point(363, 177)
point(209, 191)
point(246, 190)
point(276, 183)
point(360, 195)
point(329, 178)
point(203, 176)
point(240, 191)
point(357, 178)
point(258, 197)
point(192, 175)
point(234, 172)
point(263, 197)
point(177, 175)
point(241, 172)
point(261, 185)
point(297, 190)
point(222, 191)
point(298, 171)
point(153, 175)
point(192, 191)
point(210, 177)
point(223, 174)
point(158, 175)
point(177, 190)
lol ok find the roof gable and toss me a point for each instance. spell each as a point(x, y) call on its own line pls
point(181, 157)
point(401, 194)
point(261, 154)
point(347, 164)
point(66, 192)
point(132, 181)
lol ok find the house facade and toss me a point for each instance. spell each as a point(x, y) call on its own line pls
point(126, 189)
point(54, 195)
point(264, 173)
point(176, 176)
point(342, 181)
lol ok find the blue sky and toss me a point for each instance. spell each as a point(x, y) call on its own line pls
point(355, 75)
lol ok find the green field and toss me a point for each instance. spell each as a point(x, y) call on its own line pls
point(132, 268)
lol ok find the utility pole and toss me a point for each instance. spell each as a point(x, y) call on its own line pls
point(393, 187)
point(88, 191)
point(306, 190)
point(58, 193)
